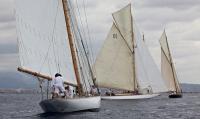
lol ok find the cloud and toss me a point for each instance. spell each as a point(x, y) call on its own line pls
point(173, 4)
point(180, 18)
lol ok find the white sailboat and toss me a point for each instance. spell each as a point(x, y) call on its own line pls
point(125, 63)
point(49, 43)
point(168, 69)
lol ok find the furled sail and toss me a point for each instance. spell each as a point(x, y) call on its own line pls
point(167, 66)
point(114, 64)
point(42, 38)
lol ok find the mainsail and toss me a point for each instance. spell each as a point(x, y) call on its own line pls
point(167, 66)
point(124, 62)
point(43, 44)
point(114, 64)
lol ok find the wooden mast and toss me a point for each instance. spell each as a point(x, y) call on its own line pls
point(72, 47)
point(134, 46)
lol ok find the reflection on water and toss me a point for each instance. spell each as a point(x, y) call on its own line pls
point(25, 106)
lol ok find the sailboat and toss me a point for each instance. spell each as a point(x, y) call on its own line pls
point(124, 62)
point(168, 69)
point(49, 42)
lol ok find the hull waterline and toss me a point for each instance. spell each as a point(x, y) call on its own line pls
point(129, 97)
point(71, 105)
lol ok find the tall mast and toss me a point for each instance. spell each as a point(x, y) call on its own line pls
point(134, 69)
point(72, 47)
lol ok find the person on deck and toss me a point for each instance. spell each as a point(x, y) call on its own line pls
point(93, 90)
point(57, 85)
point(68, 92)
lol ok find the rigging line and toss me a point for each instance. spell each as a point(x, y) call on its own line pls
point(79, 16)
point(56, 57)
point(80, 19)
point(81, 57)
point(73, 24)
point(84, 57)
point(78, 45)
point(86, 34)
point(77, 40)
point(80, 68)
point(84, 49)
point(74, 34)
point(88, 31)
point(50, 42)
point(25, 49)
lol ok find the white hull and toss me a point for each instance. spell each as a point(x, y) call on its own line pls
point(129, 97)
point(71, 105)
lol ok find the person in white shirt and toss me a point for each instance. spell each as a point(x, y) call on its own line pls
point(57, 85)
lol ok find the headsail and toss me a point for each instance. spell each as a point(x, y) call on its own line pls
point(167, 66)
point(43, 44)
point(147, 72)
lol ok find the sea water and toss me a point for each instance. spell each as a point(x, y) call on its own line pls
point(25, 106)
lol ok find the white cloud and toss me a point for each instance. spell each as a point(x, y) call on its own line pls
point(180, 18)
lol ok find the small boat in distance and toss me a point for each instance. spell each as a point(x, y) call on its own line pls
point(124, 62)
point(168, 69)
point(49, 42)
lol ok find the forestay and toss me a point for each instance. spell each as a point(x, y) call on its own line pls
point(43, 43)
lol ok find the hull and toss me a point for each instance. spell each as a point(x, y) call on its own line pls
point(71, 105)
point(129, 97)
point(175, 96)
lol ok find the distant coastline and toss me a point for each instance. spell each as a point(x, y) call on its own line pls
point(18, 91)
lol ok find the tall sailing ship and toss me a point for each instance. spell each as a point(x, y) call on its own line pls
point(124, 61)
point(50, 42)
point(168, 69)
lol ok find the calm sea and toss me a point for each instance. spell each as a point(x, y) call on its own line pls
point(25, 106)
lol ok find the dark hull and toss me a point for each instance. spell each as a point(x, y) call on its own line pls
point(175, 96)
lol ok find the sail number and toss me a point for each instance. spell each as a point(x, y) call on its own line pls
point(115, 35)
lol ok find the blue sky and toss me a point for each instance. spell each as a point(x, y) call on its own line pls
point(180, 18)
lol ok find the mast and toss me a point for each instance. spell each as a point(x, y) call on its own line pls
point(143, 37)
point(72, 47)
point(171, 63)
point(134, 71)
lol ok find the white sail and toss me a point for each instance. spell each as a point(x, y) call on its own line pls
point(123, 21)
point(114, 64)
point(167, 67)
point(42, 38)
point(147, 72)
point(116, 68)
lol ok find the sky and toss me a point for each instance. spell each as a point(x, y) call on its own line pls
point(180, 19)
